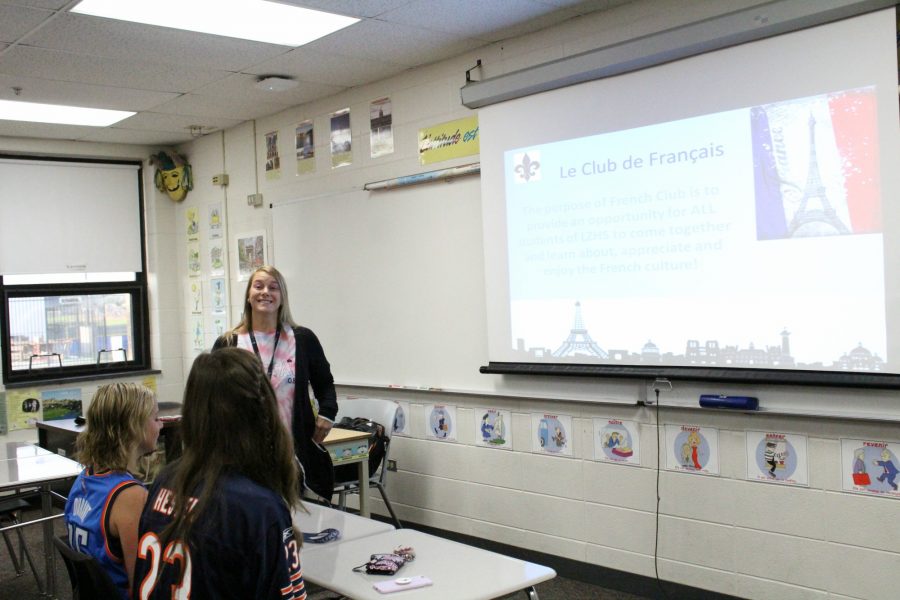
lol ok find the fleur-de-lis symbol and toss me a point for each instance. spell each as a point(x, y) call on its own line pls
point(528, 167)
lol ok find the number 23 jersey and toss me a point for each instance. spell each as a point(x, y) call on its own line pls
point(243, 546)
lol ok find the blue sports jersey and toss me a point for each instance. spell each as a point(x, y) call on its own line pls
point(243, 546)
point(87, 520)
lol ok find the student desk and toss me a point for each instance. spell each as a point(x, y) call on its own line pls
point(457, 570)
point(59, 436)
point(347, 446)
point(24, 467)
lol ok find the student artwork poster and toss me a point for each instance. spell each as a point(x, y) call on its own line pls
point(192, 216)
point(692, 449)
point(401, 419)
point(150, 383)
point(870, 467)
point(440, 422)
point(493, 428)
point(216, 257)
point(551, 434)
point(616, 441)
point(195, 297)
point(215, 220)
point(217, 294)
point(23, 408)
point(217, 326)
point(193, 259)
point(198, 339)
point(776, 457)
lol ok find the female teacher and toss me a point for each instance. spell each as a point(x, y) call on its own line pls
point(293, 359)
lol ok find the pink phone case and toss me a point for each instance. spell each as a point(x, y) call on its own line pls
point(408, 583)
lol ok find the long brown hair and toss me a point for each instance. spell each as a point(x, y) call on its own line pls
point(229, 423)
point(116, 423)
point(284, 309)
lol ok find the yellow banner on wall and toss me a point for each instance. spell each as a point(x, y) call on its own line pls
point(449, 140)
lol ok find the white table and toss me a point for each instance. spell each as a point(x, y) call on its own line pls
point(457, 570)
point(351, 526)
point(24, 467)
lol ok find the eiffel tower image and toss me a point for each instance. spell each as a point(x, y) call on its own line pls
point(821, 218)
point(579, 340)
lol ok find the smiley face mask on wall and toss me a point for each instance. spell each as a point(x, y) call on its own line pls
point(173, 175)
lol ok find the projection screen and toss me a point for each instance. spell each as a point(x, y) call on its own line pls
point(731, 215)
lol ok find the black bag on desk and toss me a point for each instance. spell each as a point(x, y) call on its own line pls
point(377, 447)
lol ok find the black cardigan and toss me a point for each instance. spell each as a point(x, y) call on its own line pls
point(312, 368)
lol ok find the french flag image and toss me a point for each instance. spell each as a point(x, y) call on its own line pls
point(816, 170)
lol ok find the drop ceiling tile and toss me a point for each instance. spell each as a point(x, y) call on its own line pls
point(115, 72)
point(351, 8)
point(80, 94)
point(16, 21)
point(583, 6)
point(154, 121)
point(537, 24)
point(115, 135)
point(234, 107)
point(457, 17)
point(393, 42)
point(46, 4)
point(243, 86)
point(332, 69)
point(186, 78)
point(42, 130)
point(83, 34)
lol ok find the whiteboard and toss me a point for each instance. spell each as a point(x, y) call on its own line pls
point(392, 283)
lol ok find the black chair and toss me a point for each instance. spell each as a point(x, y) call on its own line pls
point(89, 580)
point(10, 511)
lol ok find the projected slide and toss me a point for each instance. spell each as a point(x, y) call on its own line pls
point(744, 238)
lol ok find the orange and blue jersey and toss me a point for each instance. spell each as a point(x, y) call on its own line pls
point(87, 520)
point(242, 546)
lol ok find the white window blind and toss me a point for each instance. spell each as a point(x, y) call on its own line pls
point(69, 217)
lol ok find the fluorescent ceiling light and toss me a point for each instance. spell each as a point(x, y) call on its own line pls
point(11, 110)
point(257, 20)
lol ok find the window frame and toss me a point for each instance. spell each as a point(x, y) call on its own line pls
point(140, 310)
point(137, 290)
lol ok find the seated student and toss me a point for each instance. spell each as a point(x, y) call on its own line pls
point(218, 523)
point(105, 503)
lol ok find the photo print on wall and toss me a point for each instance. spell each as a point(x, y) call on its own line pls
point(551, 434)
point(870, 467)
point(692, 449)
point(493, 428)
point(616, 441)
point(440, 422)
point(777, 458)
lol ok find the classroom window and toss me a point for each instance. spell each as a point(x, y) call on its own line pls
point(72, 269)
point(66, 330)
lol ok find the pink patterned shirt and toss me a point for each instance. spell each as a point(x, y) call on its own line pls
point(284, 369)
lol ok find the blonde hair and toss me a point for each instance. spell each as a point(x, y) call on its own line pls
point(116, 424)
point(284, 310)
